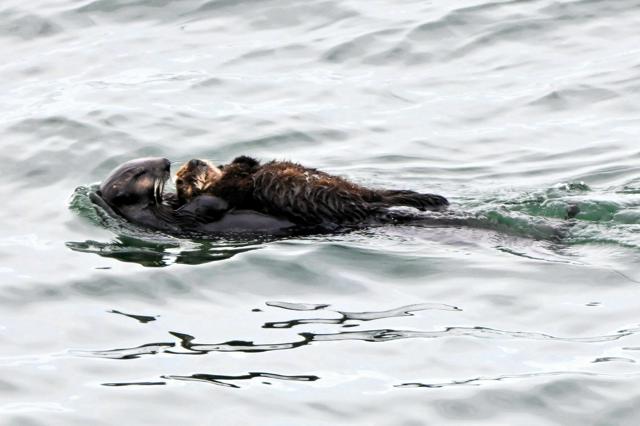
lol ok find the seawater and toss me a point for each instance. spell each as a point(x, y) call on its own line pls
point(514, 110)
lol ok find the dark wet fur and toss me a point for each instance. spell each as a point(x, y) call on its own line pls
point(307, 196)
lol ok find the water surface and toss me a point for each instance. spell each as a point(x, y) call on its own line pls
point(514, 110)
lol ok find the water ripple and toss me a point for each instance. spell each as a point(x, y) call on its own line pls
point(523, 113)
point(186, 341)
point(222, 380)
point(477, 381)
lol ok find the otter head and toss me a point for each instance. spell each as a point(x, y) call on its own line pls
point(194, 178)
point(136, 183)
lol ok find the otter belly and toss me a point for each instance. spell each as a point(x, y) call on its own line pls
point(239, 221)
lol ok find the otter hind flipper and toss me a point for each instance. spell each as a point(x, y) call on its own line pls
point(413, 199)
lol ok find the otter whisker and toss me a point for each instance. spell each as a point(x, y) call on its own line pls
point(161, 190)
point(156, 191)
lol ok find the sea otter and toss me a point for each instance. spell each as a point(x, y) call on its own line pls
point(302, 195)
point(134, 191)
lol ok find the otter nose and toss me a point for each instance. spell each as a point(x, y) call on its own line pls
point(167, 164)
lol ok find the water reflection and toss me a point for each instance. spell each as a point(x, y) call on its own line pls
point(217, 379)
point(402, 311)
point(135, 384)
point(186, 341)
point(221, 379)
point(159, 254)
point(127, 353)
point(477, 381)
point(140, 318)
point(186, 344)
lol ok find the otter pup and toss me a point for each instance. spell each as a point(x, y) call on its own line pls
point(303, 195)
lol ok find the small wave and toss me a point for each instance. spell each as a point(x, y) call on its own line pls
point(360, 46)
point(573, 97)
point(610, 217)
point(476, 381)
point(135, 10)
point(613, 359)
point(26, 26)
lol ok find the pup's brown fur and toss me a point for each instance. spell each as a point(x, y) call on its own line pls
point(196, 177)
point(301, 194)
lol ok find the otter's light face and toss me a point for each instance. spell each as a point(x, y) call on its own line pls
point(136, 182)
point(195, 177)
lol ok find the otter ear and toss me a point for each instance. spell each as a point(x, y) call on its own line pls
point(243, 159)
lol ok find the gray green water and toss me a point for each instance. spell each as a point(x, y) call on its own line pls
point(512, 109)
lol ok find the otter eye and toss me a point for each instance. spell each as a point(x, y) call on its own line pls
point(178, 181)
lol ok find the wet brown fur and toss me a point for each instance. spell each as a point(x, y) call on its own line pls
point(195, 177)
point(301, 194)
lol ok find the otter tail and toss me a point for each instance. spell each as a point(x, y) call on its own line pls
point(413, 199)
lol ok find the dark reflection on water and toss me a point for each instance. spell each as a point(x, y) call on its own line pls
point(187, 346)
point(220, 380)
point(350, 316)
point(297, 306)
point(613, 359)
point(148, 253)
point(135, 384)
point(478, 381)
point(128, 353)
point(523, 113)
point(140, 318)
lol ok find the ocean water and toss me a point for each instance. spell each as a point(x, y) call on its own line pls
point(514, 110)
